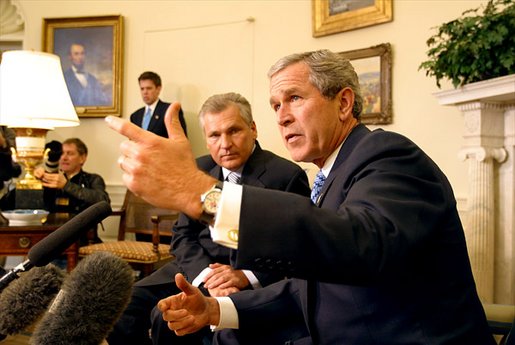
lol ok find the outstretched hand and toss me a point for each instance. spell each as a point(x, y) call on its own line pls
point(189, 311)
point(162, 171)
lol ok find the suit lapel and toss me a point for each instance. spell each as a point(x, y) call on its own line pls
point(155, 116)
point(254, 168)
point(350, 143)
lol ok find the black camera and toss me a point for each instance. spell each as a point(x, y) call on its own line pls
point(53, 152)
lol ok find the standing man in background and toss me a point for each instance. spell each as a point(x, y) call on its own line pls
point(151, 116)
point(83, 86)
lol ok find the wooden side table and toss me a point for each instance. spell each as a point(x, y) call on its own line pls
point(18, 240)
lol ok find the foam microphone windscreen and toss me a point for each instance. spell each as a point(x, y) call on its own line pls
point(54, 244)
point(27, 298)
point(90, 302)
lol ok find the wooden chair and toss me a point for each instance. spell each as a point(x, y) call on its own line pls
point(139, 217)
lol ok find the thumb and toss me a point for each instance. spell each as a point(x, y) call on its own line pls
point(183, 285)
point(172, 122)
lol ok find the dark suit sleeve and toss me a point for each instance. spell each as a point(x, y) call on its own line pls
point(297, 184)
point(385, 204)
point(189, 245)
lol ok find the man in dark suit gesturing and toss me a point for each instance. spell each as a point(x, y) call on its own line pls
point(235, 155)
point(151, 116)
point(379, 255)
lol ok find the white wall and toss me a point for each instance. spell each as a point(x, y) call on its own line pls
point(281, 27)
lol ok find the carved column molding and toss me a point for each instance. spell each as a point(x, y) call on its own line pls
point(480, 222)
point(489, 147)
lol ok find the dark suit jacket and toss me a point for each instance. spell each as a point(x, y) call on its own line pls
point(157, 124)
point(192, 244)
point(381, 259)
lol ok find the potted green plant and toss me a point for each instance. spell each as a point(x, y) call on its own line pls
point(475, 46)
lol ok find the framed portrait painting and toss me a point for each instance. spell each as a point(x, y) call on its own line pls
point(374, 67)
point(333, 16)
point(91, 55)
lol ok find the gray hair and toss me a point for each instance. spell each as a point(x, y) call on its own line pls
point(218, 103)
point(329, 73)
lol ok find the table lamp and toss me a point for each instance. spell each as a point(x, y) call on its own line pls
point(33, 100)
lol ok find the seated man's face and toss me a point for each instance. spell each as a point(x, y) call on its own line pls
point(229, 138)
point(71, 160)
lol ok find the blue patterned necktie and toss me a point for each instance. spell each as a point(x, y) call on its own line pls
point(146, 118)
point(317, 186)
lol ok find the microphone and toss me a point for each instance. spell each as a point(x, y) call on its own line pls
point(26, 299)
point(90, 302)
point(54, 244)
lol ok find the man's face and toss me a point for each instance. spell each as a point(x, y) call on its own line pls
point(149, 91)
point(77, 56)
point(310, 124)
point(71, 161)
point(229, 139)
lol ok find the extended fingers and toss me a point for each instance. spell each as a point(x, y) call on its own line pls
point(125, 128)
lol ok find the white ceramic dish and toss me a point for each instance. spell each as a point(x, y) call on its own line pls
point(25, 217)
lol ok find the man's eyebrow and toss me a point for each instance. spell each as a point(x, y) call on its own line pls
point(287, 92)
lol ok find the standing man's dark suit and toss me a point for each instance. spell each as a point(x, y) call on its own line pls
point(157, 124)
point(401, 274)
point(194, 249)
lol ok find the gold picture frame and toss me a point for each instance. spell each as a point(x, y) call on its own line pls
point(91, 55)
point(374, 67)
point(333, 16)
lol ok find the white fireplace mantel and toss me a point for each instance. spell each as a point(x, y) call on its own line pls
point(500, 89)
point(488, 108)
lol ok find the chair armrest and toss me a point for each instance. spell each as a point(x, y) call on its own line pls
point(117, 212)
point(158, 218)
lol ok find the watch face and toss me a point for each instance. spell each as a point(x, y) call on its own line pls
point(211, 201)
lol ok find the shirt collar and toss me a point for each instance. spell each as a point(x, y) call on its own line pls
point(152, 106)
point(226, 172)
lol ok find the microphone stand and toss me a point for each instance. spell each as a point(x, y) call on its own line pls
point(8, 277)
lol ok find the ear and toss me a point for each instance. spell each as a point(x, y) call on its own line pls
point(253, 127)
point(346, 98)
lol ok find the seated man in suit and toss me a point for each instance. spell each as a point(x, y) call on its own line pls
point(151, 116)
point(230, 134)
point(377, 256)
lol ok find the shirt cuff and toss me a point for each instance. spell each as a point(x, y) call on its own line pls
point(228, 314)
point(252, 279)
point(227, 220)
point(200, 278)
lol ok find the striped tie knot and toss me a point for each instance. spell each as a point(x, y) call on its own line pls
point(233, 178)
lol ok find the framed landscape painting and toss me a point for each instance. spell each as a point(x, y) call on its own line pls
point(373, 66)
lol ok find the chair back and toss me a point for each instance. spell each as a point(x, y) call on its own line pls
point(137, 215)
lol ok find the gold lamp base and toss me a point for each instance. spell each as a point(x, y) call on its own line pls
point(30, 146)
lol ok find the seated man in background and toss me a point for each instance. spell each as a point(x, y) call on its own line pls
point(230, 134)
point(70, 189)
